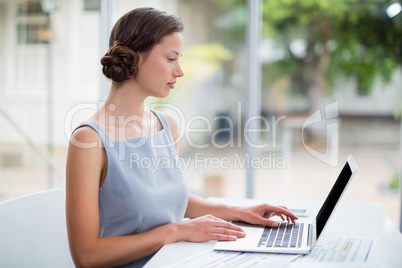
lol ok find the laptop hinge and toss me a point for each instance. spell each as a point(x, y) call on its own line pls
point(310, 234)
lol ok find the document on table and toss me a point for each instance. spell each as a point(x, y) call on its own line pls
point(341, 249)
point(329, 249)
point(226, 259)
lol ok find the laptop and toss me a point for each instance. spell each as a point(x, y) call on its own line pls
point(294, 238)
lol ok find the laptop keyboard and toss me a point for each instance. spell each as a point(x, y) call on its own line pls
point(286, 235)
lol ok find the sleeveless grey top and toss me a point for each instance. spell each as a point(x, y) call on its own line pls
point(144, 187)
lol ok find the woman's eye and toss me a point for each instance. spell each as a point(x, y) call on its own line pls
point(171, 59)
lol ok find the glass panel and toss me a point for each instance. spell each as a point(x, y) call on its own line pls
point(331, 68)
point(340, 58)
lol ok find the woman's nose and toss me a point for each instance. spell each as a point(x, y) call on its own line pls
point(179, 71)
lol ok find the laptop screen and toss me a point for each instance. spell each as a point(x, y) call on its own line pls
point(333, 198)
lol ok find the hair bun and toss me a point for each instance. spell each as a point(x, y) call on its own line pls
point(119, 63)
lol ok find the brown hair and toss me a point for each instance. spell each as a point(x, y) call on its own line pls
point(137, 31)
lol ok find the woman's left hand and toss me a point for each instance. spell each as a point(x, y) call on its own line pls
point(260, 214)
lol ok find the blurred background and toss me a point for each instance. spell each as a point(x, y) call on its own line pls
point(313, 54)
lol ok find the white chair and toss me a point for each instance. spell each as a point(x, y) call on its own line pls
point(33, 231)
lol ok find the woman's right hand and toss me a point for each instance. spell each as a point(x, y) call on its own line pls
point(207, 228)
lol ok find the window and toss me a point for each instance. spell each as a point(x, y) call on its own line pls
point(31, 23)
point(91, 5)
point(32, 33)
point(29, 75)
point(29, 9)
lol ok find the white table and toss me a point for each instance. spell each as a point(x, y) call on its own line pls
point(349, 219)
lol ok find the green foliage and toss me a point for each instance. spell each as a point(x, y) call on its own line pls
point(394, 184)
point(352, 38)
point(367, 48)
point(278, 15)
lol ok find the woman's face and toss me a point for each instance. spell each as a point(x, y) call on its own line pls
point(159, 68)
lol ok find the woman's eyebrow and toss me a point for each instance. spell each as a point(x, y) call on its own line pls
point(177, 53)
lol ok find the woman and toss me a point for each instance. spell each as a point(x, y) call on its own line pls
point(119, 213)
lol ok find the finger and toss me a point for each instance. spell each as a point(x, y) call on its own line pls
point(289, 219)
point(283, 210)
point(221, 237)
point(267, 222)
point(230, 232)
point(272, 223)
point(279, 215)
point(282, 217)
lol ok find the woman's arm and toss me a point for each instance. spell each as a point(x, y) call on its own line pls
point(83, 173)
point(84, 168)
point(258, 214)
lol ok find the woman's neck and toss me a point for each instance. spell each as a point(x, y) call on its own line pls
point(124, 100)
point(122, 103)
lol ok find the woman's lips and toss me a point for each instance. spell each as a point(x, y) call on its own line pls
point(172, 85)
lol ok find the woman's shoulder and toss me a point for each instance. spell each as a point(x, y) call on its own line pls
point(85, 136)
